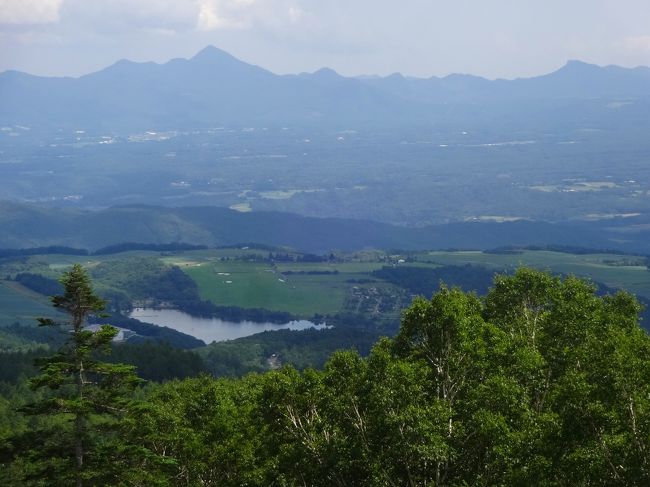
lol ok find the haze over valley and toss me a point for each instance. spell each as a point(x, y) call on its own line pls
point(213, 130)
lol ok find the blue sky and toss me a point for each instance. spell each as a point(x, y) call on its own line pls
point(491, 38)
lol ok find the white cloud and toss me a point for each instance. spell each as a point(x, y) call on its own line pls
point(215, 15)
point(29, 11)
point(240, 14)
point(121, 16)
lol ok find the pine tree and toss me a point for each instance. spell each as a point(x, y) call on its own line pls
point(83, 396)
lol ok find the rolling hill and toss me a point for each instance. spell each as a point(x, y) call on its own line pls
point(34, 226)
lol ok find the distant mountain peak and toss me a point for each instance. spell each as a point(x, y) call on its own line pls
point(577, 66)
point(327, 73)
point(122, 63)
point(211, 54)
point(577, 62)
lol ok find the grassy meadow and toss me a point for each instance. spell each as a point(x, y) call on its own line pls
point(18, 304)
point(260, 285)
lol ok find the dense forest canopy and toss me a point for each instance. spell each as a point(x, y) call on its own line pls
point(541, 382)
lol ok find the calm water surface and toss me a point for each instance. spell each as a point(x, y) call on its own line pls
point(212, 329)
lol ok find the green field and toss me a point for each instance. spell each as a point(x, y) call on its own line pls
point(22, 305)
point(259, 285)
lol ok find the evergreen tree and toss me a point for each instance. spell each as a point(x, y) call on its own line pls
point(82, 398)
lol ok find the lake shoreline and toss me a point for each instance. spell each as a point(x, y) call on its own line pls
point(213, 329)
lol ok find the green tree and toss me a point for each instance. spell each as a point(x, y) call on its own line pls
point(199, 431)
point(82, 397)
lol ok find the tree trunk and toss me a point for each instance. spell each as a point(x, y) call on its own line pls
point(79, 448)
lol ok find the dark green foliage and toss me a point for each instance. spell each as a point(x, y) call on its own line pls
point(425, 282)
point(154, 361)
point(208, 309)
point(310, 273)
point(52, 249)
point(206, 429)
point(32, 335)
point(158, 361)
point(300, 349)
point(287, 257)
point(567, 249)
point(40, 284)
point(15, 367)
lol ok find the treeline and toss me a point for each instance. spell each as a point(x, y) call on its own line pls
point(274, 253)
point(39, 283)
point(158, 361)
point(425, 281)
point(131, 246)
point(18, 366)
point(54, 249)
point(565, 249)
point(541, 382)
point(31, 335)
point(108, 250)
point(207, 309)
point(310, 273)
point(286, 257)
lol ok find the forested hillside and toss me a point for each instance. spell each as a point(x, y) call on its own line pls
point(106, 231)
point(541, 382)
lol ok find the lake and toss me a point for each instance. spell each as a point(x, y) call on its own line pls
point(212, 329)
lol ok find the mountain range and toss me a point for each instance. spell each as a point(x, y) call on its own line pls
point(215, 89)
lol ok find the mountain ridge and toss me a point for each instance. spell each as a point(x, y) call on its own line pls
point(215, 88)
point(212, 53)
point(29, 225)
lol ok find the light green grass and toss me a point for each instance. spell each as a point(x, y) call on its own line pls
point(207, 255)
point(257, 285)
point(20, 304)
point(342, 268)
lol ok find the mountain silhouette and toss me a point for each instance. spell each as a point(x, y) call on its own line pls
point(213, 88)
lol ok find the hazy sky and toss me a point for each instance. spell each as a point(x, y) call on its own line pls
point(492, 38)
